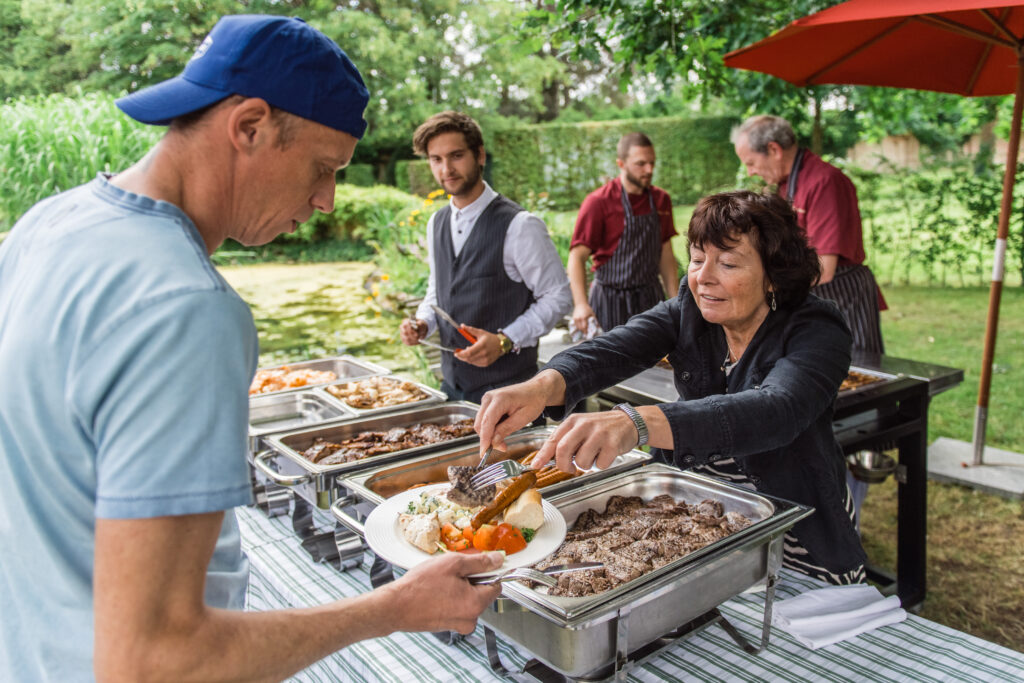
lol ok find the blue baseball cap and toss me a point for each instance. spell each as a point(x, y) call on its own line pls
point(282, 60)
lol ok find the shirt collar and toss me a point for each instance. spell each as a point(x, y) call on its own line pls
point(477, 207)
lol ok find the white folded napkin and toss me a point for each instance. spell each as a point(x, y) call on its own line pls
point(828, 615)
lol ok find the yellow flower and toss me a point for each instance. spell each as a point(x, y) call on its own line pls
point(435, 194)
point(429, 202)
point(369, 299)
point(401, 223)
point(415, 212)
point(385, 277)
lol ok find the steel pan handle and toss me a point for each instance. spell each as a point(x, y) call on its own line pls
point(260, 462)
point(346, 519)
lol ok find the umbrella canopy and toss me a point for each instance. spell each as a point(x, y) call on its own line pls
point(969, 47)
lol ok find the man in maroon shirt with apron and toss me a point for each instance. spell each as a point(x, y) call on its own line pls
point(825, 201)
point(626, 226)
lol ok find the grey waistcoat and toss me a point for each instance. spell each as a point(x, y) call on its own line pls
point(475, 290)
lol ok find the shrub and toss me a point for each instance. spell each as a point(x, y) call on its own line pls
point(51, 144)
point(414, 176)
point(355, 209)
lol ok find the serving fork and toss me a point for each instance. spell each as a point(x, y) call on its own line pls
point(499, 471)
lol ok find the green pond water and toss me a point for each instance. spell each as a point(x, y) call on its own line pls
point(309, 311)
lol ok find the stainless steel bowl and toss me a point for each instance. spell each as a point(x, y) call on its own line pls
point(872, 467)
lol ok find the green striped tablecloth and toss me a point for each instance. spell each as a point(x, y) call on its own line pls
point(915, 650)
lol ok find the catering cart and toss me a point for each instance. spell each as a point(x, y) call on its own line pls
point(889, 413)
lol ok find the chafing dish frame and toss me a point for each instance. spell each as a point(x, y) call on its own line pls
point(319, 484)
point(603, 636)
point(347, 368)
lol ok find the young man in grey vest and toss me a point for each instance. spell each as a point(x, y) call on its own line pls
point(493, 269)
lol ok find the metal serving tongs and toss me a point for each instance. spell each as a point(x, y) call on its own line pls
point(545, 577)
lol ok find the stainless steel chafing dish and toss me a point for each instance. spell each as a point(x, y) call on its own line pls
point(432, 396)
point(346, 368)
point(278, 412)
point(377, 484)
point(283, 464)
point(601, 636)
point(288, 411)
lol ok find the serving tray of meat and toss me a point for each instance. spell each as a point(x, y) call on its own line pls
point(383, 481)
point(674, 544)
point(305, 374)
point(381, 394)
point(311, 461)
point(286, 411)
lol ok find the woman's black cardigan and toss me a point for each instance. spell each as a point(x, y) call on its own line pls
point(774, 417)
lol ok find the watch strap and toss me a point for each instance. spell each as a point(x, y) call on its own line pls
point(638, 422)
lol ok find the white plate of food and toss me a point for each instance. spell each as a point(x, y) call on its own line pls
point(385, 536)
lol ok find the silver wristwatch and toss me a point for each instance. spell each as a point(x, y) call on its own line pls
point(638, 422)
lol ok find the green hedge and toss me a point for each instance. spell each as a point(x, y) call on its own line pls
point(568, 161)
point(414, 176)
point(361, 175)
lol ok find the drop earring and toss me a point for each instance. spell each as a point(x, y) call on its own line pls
point(773, 300)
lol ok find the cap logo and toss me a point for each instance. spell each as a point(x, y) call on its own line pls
point(203, 47)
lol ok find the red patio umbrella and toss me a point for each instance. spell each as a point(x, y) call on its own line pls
point(968, 47)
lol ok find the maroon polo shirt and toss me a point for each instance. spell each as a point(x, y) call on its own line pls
point(826, 206)
point(601, 219)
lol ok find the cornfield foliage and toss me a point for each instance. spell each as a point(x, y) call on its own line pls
point(51, 144)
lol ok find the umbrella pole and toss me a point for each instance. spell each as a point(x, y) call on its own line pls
point(996, 291)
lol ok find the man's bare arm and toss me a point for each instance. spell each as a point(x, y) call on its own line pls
point(828, 267)
point(669, 269)
point(576, 268)
point(151, 622)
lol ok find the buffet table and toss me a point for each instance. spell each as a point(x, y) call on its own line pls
point(914, 650)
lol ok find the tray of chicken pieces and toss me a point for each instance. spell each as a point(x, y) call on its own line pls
point(305, 374)
point(381, 394)
point(312, 460)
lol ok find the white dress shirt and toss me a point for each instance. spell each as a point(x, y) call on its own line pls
point(529, 257)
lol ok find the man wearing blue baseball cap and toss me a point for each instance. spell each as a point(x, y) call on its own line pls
point(126, 360)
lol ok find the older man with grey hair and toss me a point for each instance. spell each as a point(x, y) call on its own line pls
point(825, 201)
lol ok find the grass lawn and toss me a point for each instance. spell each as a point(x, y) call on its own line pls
point(975, 567)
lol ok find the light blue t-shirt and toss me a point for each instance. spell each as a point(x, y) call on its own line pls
point(125, 361)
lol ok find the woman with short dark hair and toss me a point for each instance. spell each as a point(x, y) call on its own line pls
point(757, 361)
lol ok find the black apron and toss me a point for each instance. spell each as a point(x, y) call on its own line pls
point(627, 283)
point(853, 288)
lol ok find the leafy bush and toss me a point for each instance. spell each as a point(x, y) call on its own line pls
point(695, 157)
point(414, 176)
point(360, 174)
point(355, 208)
point(51, 144)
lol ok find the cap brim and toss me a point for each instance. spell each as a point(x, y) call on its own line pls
point(158, 105)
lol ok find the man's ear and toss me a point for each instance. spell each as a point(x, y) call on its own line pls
point(481, 157)
point(774, 150)
point(249, 124)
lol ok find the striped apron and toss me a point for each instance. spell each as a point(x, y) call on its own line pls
point(627, 283)
point(853, 289)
